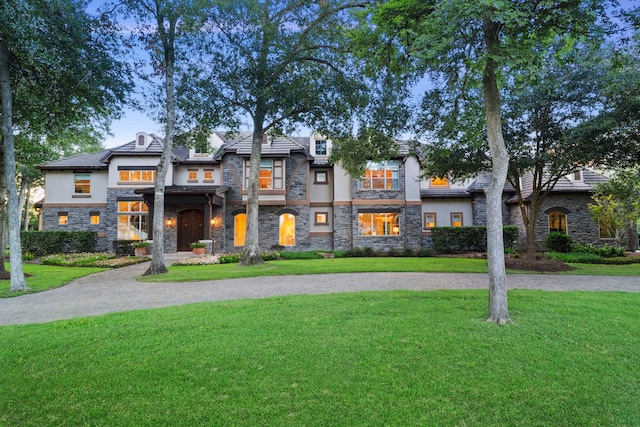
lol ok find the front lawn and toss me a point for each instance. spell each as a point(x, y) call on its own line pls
point(354, 265)
point(43, 277)
point(374, 358)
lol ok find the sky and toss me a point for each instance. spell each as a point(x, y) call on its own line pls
point(124, 130)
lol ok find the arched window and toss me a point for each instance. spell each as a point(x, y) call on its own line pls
point(287, 230)
point(239, 229)
point(557, 222)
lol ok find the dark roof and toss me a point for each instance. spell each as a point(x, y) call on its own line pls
point(444, 194)
point(186, 189)
point(79, 161)
point(240, 144)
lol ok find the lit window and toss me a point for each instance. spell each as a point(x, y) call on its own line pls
point(321, 147)
point(239, 229)
point(208, 175)
point(456, 219)
point(380, 176)
point(193, 175)
point(133, 220)
point(95, 219)
point(322, 218)
point(287, 230)
point(82, 183)
point(271, 175)
point(429, 220)
point(378, 224)
point(607, 229)
point(439, 182)
point(146, 175)
point(63, 218)
point(557, 222)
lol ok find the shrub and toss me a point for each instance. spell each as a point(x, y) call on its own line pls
point(353, 253)
point(425, 253)
point(468, 239)
point(559, 242)
point(40, 243)
point(230, 258)
point(605, 251)
point(300, 255)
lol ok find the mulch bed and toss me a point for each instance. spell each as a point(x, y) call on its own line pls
point(537, 265)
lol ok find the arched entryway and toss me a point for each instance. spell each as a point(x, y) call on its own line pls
point(190, 228)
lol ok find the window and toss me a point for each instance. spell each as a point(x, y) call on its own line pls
point(239, 229)
point(321, 177)
point(456, 219)
point(265, 177)
point(133, 220)
point(208, 175)
point(140, 139)
point(287, 230)
point(557, 222)
point(380, 176)
point(439, 182)
point(94, 218)
point(607, 229)
point(321, 147)
point(139, 175)
point(201, 148)
point(577, 176)
point(63, 218)
point(378, 224)
point(322, 218)
point(193, 175)
point(82, 183)
point(271, 175)
point(429, 220)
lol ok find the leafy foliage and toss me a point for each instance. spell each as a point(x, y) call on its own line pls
point(559, 242)
point(468, 239)
point(41, 243)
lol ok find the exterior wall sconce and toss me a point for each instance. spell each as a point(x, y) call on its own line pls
point(213, 221)
point(170, 222)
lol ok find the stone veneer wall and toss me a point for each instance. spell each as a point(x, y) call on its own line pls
point(79, 220)
point(580, 226)
point(343, 220)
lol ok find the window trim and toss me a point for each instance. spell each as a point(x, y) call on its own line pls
point(316, 147)
point(63, 218)
point(80, 184)
point(435, 220)
point(387, 231)
point(461, 219)
point(326, 216)
point(191, 180)
point(566, 222)
point(325, 181)
point(205, 179)
point(392, 166)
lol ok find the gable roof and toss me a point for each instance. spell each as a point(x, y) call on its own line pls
point(240, 143)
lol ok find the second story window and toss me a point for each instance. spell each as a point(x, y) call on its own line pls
point(321, 147)
point(137, 175)
point(380, 176)
point(271, 175)
point(82, 183)
point(439, 182)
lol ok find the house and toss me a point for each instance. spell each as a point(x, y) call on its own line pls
point(305, 201)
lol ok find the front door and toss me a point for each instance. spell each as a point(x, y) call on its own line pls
point(190, 228)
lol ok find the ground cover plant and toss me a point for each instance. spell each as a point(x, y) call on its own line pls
point(91, 259)
point(374, 358)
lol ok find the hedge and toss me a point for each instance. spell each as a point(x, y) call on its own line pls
point(468, 239)
point(40, 243)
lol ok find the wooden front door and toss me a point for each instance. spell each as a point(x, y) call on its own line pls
point(190, 228)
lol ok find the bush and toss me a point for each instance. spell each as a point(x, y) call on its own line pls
point(585, 258)
point(605, 251)
point(559, 242)
point(300, 255)
point(425, 253)
point(468, 239)
point(40, 243)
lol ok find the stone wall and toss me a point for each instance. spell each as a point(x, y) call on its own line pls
point(79, 219)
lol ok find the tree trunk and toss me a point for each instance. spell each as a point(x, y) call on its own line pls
point(157, 260)
point(27, 207)
point(18, 282)
point(498, 305)
point(22, 196)
point(3, 213)
point(251, 251)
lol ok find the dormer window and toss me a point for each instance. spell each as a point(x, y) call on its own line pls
point(141, 140)
point(440, 182)
point(321, 147)
point(577, 176)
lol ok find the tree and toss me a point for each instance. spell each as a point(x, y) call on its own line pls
point(539, 122)
point(472, 44)
point(170, 21)
point(55, 63)
point(617, 204)
point(279, 63)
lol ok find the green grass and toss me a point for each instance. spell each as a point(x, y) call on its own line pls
point(385, 358)
point(354, 265)
point(45, 277)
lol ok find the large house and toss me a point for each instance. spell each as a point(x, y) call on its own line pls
point(305, 201)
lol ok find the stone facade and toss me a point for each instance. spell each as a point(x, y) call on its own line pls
point(79, 219)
